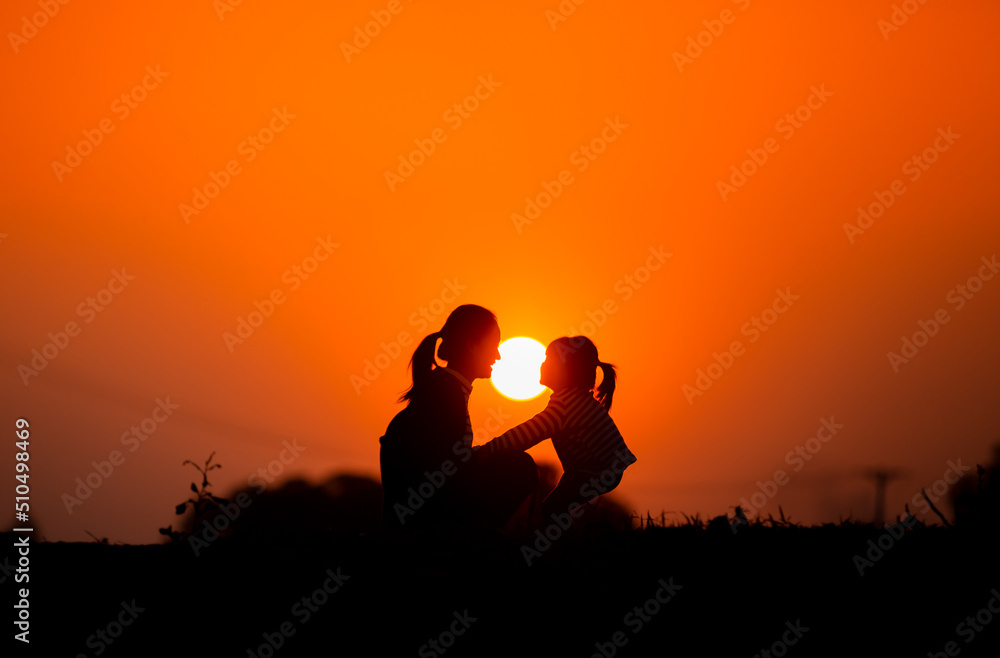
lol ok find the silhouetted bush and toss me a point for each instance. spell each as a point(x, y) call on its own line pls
point(976, 496)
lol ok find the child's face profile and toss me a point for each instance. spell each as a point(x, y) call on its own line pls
point(549, 374)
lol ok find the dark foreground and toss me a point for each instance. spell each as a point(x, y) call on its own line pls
point(654, 592)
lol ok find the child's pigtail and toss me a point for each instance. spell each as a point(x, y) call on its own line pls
point(607, 388)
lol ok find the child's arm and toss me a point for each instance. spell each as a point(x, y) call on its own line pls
point(529, 433)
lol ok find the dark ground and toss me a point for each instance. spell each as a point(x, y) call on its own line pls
point(736, 594)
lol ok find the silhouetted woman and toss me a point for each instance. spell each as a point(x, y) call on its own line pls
point(430, 475)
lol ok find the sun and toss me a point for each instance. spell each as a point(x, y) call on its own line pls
point(515, 375)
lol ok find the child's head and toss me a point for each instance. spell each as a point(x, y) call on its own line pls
point(571, 362)
point(469, 338)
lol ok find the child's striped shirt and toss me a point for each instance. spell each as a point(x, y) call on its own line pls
point(582, 432)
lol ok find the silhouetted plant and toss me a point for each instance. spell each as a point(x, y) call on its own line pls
point(976, 498)
point(205, 503)
point(103, 540)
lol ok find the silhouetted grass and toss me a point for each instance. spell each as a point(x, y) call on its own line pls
point(738, 589)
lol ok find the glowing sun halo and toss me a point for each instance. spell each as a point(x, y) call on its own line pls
point(515, 375)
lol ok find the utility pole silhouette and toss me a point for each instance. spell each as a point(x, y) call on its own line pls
point(882, 477)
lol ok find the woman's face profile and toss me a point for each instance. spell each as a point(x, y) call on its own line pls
point(484, 354)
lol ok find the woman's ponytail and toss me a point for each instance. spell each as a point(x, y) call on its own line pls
point(606, 391)
point(421, 365)
point(465, 327)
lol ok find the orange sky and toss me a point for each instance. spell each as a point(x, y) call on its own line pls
point(74, 214)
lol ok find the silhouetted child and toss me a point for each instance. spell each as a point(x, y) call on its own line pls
point(587, 441)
